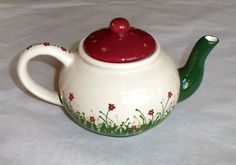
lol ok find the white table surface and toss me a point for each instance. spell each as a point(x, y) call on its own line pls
point(200, 131)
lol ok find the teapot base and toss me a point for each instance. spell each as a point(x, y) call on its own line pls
point(103, 125)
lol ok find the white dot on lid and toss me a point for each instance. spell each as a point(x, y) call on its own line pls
point(104, 49)
point(131, 33)
point(145, 45)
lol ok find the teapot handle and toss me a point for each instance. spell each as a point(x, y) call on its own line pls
point(60, 53)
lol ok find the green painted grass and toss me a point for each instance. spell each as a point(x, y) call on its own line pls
point(106, 126)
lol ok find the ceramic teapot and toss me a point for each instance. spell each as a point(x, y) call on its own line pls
point(120, 82)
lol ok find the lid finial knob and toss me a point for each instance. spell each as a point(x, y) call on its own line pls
point(119, 26)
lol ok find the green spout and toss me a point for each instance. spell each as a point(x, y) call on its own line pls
point(191, 73)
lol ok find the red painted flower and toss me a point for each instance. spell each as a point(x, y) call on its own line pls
point(63, 49)
point(111, 107)
point(92, 118)
point(71, 96)
point(46, 44)
point(29, 47)
point(151, 112)
point(134, 127)
point(170, 94)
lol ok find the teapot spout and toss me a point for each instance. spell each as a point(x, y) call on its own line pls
point(191, 73)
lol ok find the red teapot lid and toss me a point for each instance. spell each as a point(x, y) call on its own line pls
point(119, 43)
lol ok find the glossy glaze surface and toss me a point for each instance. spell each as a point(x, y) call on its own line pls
point(191, 73)
point(119, 43)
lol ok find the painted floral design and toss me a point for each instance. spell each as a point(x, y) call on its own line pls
point(92, 118)
point(111, 107)
point(151, 112)
point(105, 125)
point(48, 44)
point(71, 96)
point(63, 49)
point(170, 94)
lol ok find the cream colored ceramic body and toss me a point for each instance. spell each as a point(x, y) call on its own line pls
point(109, 98)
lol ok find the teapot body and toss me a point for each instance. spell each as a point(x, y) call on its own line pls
point(119, 99)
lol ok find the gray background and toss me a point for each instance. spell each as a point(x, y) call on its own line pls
point(201, 130)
